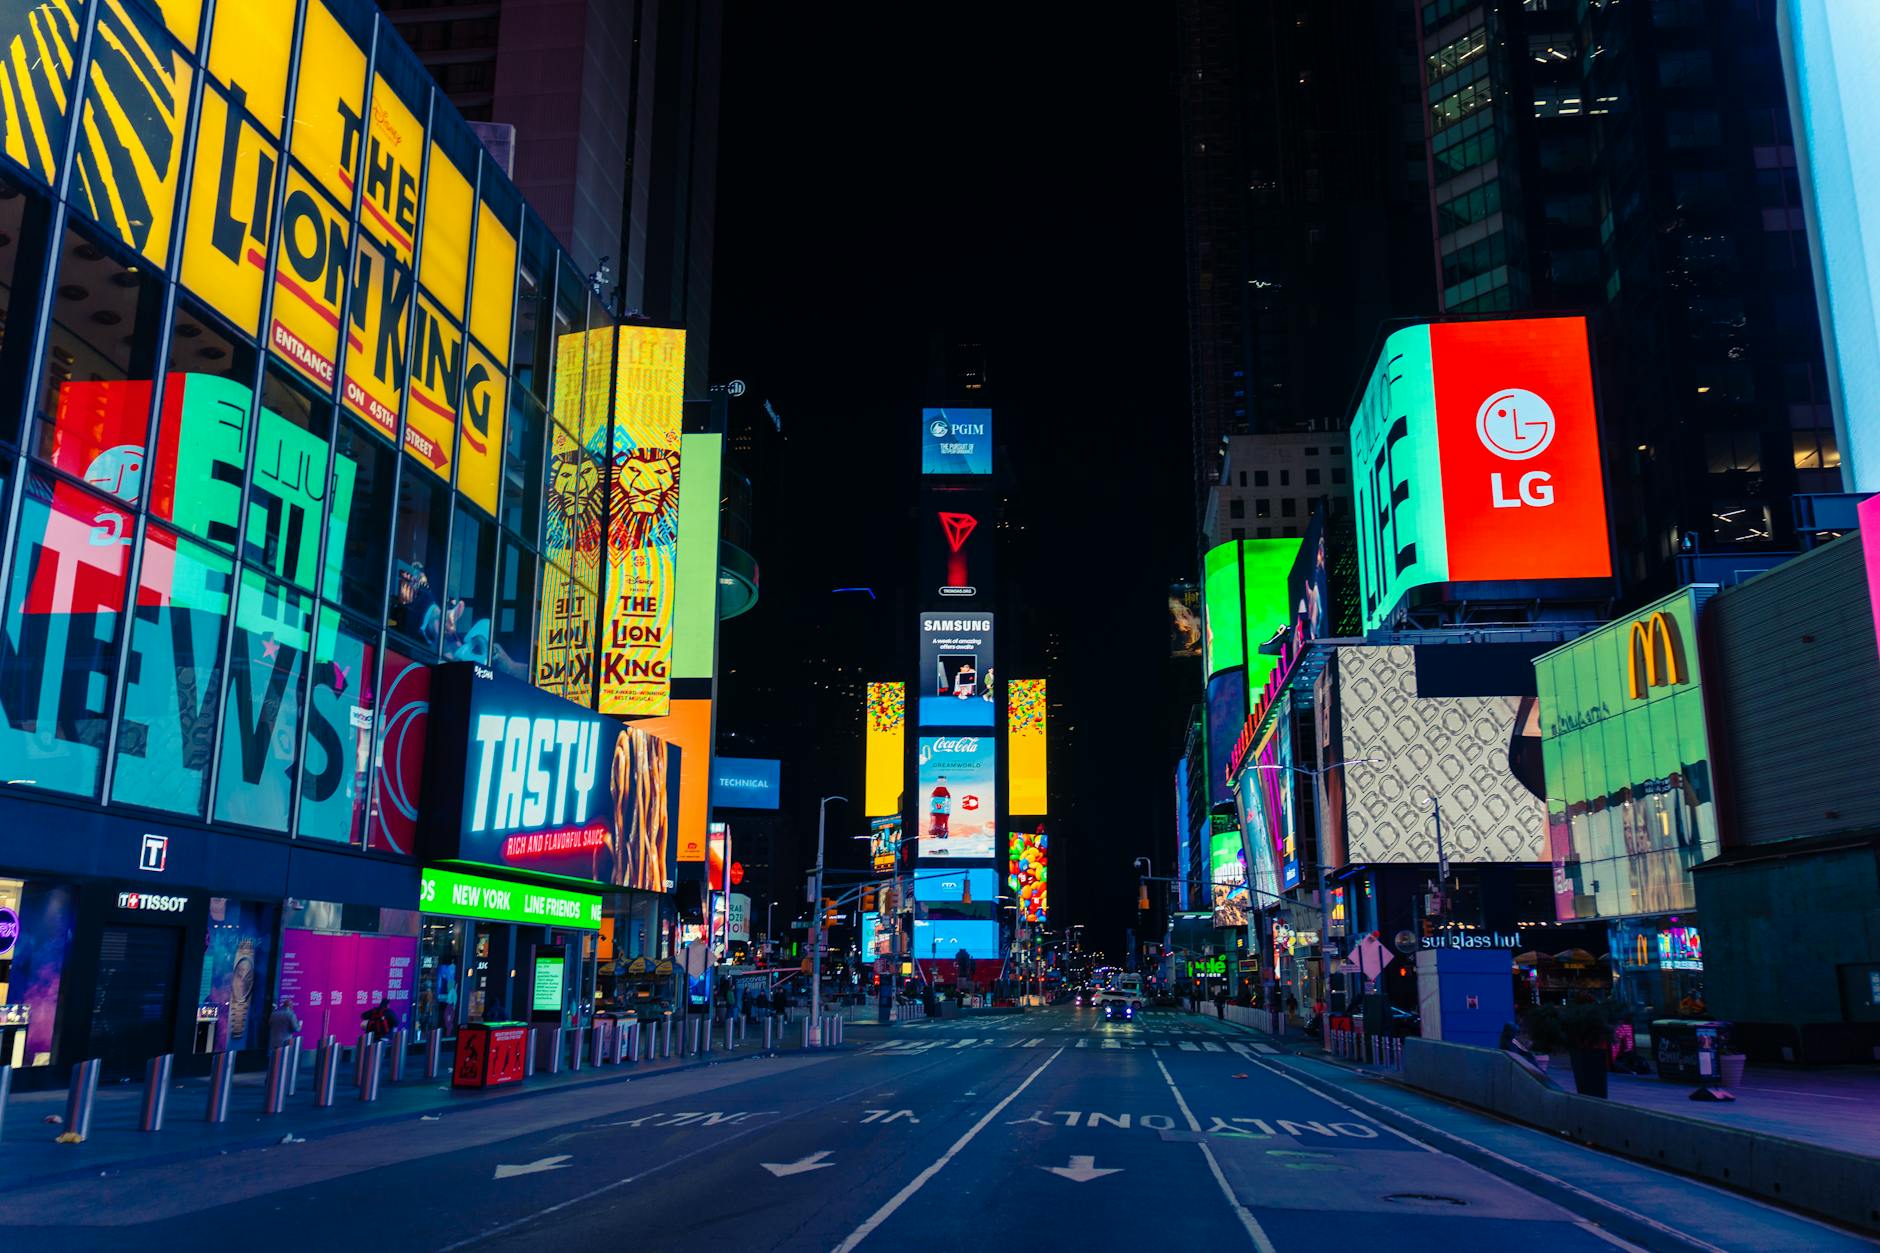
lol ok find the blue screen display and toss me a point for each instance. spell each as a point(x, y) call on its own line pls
point(746, 782)
point(944, 940)
point(951, 885)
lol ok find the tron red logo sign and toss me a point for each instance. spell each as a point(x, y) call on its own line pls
point(957, 527)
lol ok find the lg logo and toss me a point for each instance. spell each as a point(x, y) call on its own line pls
point(1517, 425)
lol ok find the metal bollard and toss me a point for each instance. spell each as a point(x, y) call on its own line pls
point(221, 1087)
point(375, 1063)
point(768, 1024)
point(576, 1049)
point(6, 1088)
point(553, 1036)
point(666, 1051)
point(433, 1051)
point(293, 1066)
point(325, 1072)
point(359, 1059)
point(156, 1092)
point(275, 1099)
point(80, 1097)
point(400, 1038)
point(597, 1047)
point(806, 1031)
point(623, 1036)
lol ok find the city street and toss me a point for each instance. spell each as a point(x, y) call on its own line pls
point(1039, 1127)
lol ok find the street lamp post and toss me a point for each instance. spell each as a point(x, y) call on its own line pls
point(815, 987)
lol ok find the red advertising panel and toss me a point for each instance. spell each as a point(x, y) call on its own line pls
point(488, 1056)
point(1523, 495)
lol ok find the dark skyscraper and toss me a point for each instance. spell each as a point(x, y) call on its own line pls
point(1634, 162)
point(1307, 216)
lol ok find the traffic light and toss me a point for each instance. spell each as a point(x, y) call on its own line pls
point(868, 900)
point(830, 917)
point(1142, 895)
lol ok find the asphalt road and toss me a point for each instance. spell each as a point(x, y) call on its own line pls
point(1048, 1130)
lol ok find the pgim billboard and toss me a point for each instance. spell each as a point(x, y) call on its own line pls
point(1475, 459)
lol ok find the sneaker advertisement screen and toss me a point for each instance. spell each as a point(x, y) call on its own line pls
point(957, 800)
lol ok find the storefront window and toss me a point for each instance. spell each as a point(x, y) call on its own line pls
point(291, 484)
point(261, 722)
point(515, 610)
point(362, 532)
point(93, 407)
point(467, 605)
point(22, 229)
point(202, 434)
point(339, 731)
point(58, 644)
point(440, 975)
point(130, 146)
point(522, 466)
point(35, 969)
point(399, 758)
point(418, 561)
point(237, 957)
point(166, 732)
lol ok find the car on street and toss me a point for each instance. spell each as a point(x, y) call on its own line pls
point(1126, 989)
point(1119, 1011)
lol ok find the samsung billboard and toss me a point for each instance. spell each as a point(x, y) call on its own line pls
point(956, 676)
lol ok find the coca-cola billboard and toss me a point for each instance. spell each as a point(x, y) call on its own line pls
point(958, 806)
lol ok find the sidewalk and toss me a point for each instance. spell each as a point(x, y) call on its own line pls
point(1833, 1108)
point(33, 1154)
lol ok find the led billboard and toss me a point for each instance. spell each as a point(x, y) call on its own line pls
point(689, 728)
point(943, 941)
point(519, 778)
point(1027, 870)
point(1631, 805)
point(884, 843)
point(1227, 714)
point(1828, 49)
point(1384, 716)
point(956, 894)
point(886, 748)
point(1025, 762)
point(642, 521)
point(956, 441)
point(746, 782)
point(956, 675)
point(695, 604)
point(957, 801)
point(1227, 878)
point(1475, 459)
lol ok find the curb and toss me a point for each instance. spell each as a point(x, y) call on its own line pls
point(272, 1140)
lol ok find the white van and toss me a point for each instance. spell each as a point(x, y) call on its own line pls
point(1124, 988)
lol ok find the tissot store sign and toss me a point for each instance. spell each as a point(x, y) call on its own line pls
point(522, 778)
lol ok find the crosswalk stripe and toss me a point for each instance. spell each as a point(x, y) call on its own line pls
point(1212, 1047)
point(1189, 1046)
point(1264, 1048)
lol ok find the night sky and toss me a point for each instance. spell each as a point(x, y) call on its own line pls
point(988, 173)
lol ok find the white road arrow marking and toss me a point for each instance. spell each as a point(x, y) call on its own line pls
point(535, 1167)
point(812, 1162)
point(1082, 1170)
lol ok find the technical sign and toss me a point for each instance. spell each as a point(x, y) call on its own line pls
point(956, 441)
point(956, 675)
point(520, 778)
point(746, 782)
point(1475, 459)
point(957, 802)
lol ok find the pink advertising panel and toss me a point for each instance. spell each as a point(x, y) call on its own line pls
point(333, 979)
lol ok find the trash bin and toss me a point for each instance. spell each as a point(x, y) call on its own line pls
point(1686, 1050)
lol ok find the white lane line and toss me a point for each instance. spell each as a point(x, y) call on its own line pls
point(919, 1181)
point(1682, 1237)
point(1255, 1232)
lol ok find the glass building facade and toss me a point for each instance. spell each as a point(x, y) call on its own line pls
point(276, 351)
point(283, 409)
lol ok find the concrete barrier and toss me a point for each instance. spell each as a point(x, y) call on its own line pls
point(1841, 1186)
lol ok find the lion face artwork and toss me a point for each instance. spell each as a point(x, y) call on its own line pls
point(573, 509)
point(646, 499)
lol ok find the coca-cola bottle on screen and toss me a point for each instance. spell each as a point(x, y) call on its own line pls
point(939, 809)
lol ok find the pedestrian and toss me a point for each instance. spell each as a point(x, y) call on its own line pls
point(283, 1026)
point(379, 1021)
point(780, 1003)
point(1292, 1005)
point(1220, 1003)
